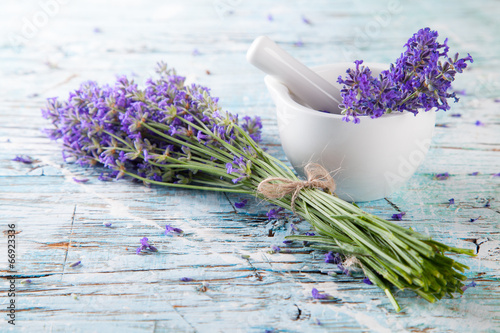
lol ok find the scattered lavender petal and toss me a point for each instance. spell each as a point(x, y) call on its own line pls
point(479, 123)
point(75, 263)
point(475, 173)
point(196, 52)
point(442, 176)
point(306, 20)
point(317, 295)
point(398, 216)
point(470, 285)
point(367, 281)
point(107, 224)
point(270, 17)
point(451, 201)
point(169, 229)
point(241, 204)
point(298, 43)
point(456, 115)
point(23, 159)
point(186, 279)
point(83, 180)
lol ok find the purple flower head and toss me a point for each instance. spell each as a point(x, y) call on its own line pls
point(23, 159)
point(317, 295)
point(470, 285)
point(298, 43)
point(420, 79)
point(442, 176)
point(171, 230)
point(306, 20)
point(77, 263)
point(333, 258)
point(241, 204)
point(398, 216)
point(367, 281)
point(145, 246)
point(273, 213)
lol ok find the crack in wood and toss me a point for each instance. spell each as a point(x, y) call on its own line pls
point(69, 242)
point(393, 205)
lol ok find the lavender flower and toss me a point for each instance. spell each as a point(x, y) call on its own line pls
point(333, 258)
point(171, 230)
point(470, 285)
point(451, 201)
point(479, 123)
point(420, 79)
point(442, 176)
point(273, 213)
point(367, 281)
point(77, 263)
point(145, 246)
point(23, 159)
point(275, 249)
point(241, 204)
point(305, 20)
point(398, 216)
point(317, 295)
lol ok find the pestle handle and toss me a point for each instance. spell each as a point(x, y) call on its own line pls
point(311, 88)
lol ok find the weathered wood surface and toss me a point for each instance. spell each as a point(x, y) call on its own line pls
point(114, 290)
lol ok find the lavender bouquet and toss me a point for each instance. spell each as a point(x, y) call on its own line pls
point(420, 80)
point(172, 134)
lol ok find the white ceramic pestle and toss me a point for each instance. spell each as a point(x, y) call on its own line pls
point(310, 88)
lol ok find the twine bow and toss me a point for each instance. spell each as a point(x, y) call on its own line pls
point(317, 177)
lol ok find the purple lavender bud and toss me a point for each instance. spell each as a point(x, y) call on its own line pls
point(23, 159)
point(241, 204)
point(398, 216)
point(75, 263)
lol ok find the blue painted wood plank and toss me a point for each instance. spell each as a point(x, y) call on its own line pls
point(237, 286)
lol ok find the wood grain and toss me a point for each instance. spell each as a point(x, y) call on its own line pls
point(237, 285)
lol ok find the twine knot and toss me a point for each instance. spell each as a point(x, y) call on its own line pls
point(277, 188)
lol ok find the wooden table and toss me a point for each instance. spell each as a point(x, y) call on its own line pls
point(49, 47)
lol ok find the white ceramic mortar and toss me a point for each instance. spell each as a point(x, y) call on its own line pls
point(369, 160)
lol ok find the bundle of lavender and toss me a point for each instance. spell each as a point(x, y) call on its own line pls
point(172, 134)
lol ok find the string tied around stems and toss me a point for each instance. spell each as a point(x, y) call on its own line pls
point(277, 188)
